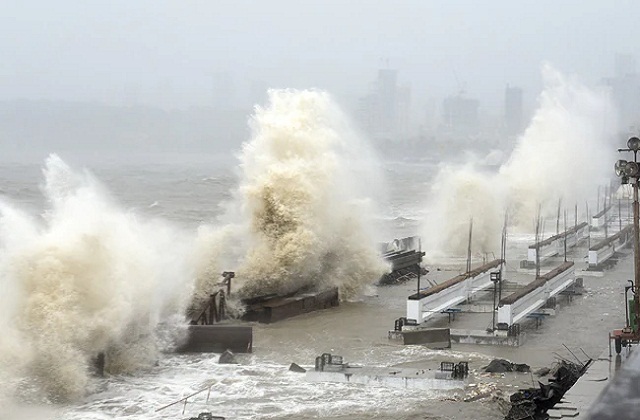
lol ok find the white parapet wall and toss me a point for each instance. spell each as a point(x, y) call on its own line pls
point(600, 255)
point(548, 248)
point(555, 245)
point(575, 235)
point(598, 220)
point(450, 293)
point(582, 231)
point(517, 306)
point(603, 250)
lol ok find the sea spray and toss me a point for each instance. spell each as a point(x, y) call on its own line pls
point(304, 202)
point(564, 153)
point(91, 278)
point(465, 195)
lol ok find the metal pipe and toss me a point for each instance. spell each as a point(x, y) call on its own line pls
point(626, 304)
point(636, 247)
point(495, 292)
point(419, 266)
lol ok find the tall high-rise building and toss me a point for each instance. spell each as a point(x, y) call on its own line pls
point(387, 87)
point(513, 110)
point(384, 111)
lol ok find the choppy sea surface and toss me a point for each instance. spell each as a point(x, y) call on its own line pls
point(260, 385)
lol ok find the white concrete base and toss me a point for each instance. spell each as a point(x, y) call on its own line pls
point(496, 338)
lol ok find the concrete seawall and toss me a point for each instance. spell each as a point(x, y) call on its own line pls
point(218, 338)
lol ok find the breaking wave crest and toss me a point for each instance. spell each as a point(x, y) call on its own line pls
point(564, 153)
point(304, 220)
point(87, 277)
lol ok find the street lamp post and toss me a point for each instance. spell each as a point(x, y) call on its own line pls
point(629, 172)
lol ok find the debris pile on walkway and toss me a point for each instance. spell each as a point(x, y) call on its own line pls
point(533, 403)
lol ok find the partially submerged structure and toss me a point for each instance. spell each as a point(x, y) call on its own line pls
point(272, 308)
point(211, 330)
point(404, 257)
point(332, 368)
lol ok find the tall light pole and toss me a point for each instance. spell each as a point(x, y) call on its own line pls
point(629, 172)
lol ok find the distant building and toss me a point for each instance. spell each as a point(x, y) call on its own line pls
point(387, 87)
point(513, 110)
point(384, 111)
point(460, 114)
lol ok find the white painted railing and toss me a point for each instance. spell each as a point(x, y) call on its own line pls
point(450, 293)
point(554, 245)
point(603, 250)
point(515, 307)
point(598, 220)
point(547, 250)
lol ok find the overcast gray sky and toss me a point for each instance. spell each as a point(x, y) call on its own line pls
point(167, 52)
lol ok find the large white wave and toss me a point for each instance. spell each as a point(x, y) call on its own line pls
point(564, 153)
point(87, 277)
point(303, 209)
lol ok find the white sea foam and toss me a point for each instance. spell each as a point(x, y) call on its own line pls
point(564, 153)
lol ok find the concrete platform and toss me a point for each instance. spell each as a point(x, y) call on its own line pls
point(218, 338)
point(389, 376)
point(278, 308)
point(620, 398)
point(433, 338)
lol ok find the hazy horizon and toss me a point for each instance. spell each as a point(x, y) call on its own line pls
point(173, 54)
point(189, 73)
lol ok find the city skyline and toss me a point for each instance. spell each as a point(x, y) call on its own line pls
point(168, 53)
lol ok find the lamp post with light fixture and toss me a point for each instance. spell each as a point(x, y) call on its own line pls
point(629, 172)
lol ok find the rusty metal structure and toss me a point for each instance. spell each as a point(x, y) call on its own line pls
point(264, 309)
point(216, 308)
point(404, 256)
point(208, 333)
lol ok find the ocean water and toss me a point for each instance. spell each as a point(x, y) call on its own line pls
point(260, 385)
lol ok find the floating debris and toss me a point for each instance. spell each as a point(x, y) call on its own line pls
point(227, 357)
point(297, 368)
point(206, 416)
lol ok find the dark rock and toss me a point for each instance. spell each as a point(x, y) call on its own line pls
point(206, 416)
point(501, 366)
point(542, 371)
point(227, 357)
point(297, 368)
